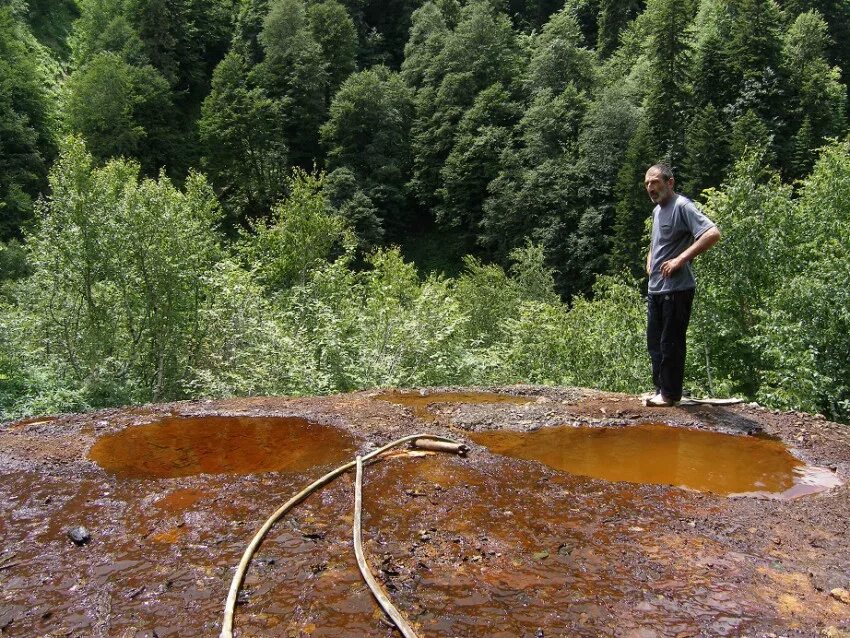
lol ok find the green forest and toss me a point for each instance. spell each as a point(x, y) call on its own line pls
point(215, 198)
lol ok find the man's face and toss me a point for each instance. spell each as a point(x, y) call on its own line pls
point(657, 188)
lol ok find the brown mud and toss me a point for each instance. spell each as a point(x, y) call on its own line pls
point(486, 545)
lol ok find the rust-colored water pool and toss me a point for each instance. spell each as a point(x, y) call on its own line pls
point(665, 455)
point(220, 445)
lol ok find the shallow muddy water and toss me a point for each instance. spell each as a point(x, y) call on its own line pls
point(664, 455)
point(483, 546)
point(420, 403)
point(220, 445)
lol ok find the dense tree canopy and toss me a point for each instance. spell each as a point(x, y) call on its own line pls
point(503, 142)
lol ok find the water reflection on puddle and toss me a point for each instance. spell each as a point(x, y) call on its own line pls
point(220, 445)
point(420, 403)
point(665, 455)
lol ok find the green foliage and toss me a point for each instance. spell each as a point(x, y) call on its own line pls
point(738, 276)
point(13, 260)
point(707, 150)
point(818, 98)
point(183, 40)
point(804, 327)
point(483, 134)
point(242, 140)
point(334, 30)
point(614, 15)
point(558, 57)
point(346, 199)
point(51, 21)
point(378, 327)
point(245, 348)
point(121, 110)
point(26, 122)
point(597, 343)
point(367, 134)
point(295, 74)
point(503, 135)
point(633, 206)
point(116, 289)
point(479, 52)
point(298, 238)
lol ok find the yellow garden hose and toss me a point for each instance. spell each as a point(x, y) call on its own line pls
point(379, 594)
point(236, 583)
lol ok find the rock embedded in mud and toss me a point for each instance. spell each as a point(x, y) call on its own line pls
point(80, 535)
point(841, 594)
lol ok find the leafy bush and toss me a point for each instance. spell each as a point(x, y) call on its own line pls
point(118, 279)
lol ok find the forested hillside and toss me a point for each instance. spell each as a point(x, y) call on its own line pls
point(219, 197)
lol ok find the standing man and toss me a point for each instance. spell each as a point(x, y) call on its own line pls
point(680, 232)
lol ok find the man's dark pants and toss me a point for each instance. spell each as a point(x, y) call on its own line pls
point(667, 318)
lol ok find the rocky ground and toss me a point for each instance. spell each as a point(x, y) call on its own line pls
point(482, 545)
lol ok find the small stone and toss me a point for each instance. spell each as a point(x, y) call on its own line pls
point(79, 534)
point(841, 594)
point(835, 632)
point(541, 555)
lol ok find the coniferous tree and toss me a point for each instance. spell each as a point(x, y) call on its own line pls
point(248, 24)
point(614, 15)
point(661, 133)
point(607, 130)
point(712, 70)
point(669, 53)
point(817, 108)
point(706, 151)
point(628, 248)
point(751, 135)
point(753, 46)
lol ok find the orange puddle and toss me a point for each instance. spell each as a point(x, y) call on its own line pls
point(665, 455)
point(220, 445)
point(420, 403)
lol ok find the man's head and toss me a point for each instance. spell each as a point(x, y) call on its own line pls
point(659, 183)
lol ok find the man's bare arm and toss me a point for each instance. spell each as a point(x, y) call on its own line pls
point(705, 241)
point(648, 260)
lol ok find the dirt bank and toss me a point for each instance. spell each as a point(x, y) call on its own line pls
point(480, 546)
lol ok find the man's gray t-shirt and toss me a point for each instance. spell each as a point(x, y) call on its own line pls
point(675, 226)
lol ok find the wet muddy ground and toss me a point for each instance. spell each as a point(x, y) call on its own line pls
point(486, 545)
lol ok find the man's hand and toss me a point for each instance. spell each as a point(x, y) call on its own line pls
point(671, 265)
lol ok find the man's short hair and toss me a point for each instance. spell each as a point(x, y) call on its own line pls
point(666, 171)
